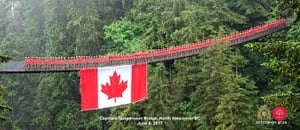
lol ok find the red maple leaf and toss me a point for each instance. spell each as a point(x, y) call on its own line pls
point(116, 88)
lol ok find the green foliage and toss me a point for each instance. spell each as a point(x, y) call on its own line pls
point(237, 105)
point(24, 34)
point(126, 111)
point(284, 60)
point(227, 101)
point(124, 35)
point(159, 99)
point(4, 58)
point(3, 104)
point(251, 10)
point(86, 25)
point(169, 23)
point(262, 74)
point(288, 8)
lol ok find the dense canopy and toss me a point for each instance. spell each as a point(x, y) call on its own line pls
point(222, 88)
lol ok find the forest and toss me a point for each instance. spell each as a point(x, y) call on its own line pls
point(223, 88)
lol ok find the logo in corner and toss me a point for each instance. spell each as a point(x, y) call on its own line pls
point(279, 113)
point(264, 113)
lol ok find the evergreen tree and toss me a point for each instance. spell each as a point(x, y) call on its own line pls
point(86, 25)
point(159, 103)
point(3, 104)
point(223, 99)
point(237, 106)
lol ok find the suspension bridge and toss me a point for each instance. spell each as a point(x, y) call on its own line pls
point(64, 64)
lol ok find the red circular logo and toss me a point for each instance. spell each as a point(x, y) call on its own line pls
point(279, 113)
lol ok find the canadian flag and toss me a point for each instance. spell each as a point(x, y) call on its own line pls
point(105, 87)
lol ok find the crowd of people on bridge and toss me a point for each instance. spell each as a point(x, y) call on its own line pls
point(33, 61)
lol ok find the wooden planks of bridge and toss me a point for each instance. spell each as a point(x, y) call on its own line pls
point(64, 64)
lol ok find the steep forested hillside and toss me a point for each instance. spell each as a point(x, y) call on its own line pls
point(221, 88)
